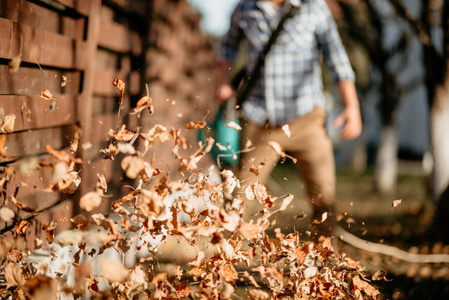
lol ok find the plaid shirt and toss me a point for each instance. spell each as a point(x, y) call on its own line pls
point(292, 82)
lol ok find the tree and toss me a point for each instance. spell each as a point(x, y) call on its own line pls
point(437, 74)
point(432, 28)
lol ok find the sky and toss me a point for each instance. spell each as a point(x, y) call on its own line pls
point(216, 14)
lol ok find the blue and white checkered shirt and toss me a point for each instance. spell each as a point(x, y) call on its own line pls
point(292, 82)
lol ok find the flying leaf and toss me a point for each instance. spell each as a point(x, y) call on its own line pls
point(132, 165)
point(64, 81)
point(249, 230)
point(90, 201)
point(145, 100)
point(14, 64)
point(113, 270)
point(196, 125)
point(7, 123)
point(46, 95)
point(286, 130)
point(21, 228)
point(6, 214)
point(366, 287)
point(229, 273)
point(221, 147)
point(151, 203)
point(278, 149)
point(121, 88)
point(396, 203)
point(14, 275)
point(310, 272)
point(122, 134)
point(286, 202)
point(234, 125)
point(3, 152)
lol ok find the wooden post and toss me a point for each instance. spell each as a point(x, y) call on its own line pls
point(84, 107)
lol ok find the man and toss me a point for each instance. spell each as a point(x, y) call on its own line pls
point(289, 92)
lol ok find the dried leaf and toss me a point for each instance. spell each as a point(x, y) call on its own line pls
point(102, 183)
point(310, 272)
point(221, 147)
point(38, 243)
point(59, 171)
point(254, 294)
point(256, 191)
point(122, 134)
point(145, 100)
point(14, 64)
point(196, 125)
point(15, 256)
point(365, 287)
point(286, 130)
point(286, 202)
point(278, 149)
point(229, 221)
point(113, 270)
point(152, 203)
point(21, 228)
point(3, 153)
point(143, 103)
point(90, 201)
point(396, 203)
point(6, 214)
point(46, 95)
point(126, 148)
point(230, 182)
point(7, 123)
point(121, 88)
point(249, 230)
point(64, 81)
point(76, 138)
point(27, 165)
point(323, 217)
point(302, 252)
point(135, 279)
point(132, 165)
point(70, 237)
point(61, 155)
point(229, 273)
point(70, 184)
point(234, 125)
point(14, 275)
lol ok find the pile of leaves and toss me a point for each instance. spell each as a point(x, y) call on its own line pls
point(281, 266)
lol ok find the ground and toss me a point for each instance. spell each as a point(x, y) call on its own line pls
point(381, 219)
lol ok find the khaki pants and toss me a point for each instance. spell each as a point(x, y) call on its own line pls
point(311, 146)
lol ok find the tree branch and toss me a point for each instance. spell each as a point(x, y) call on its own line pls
point(416, 24)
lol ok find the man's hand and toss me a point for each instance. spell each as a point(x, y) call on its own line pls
point(352, 121)
point(350, 117)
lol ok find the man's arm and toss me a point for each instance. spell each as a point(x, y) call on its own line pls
point(350, 117)
point(340, 68)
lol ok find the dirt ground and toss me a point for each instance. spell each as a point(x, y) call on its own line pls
point(381, 219)
point(369, 215)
